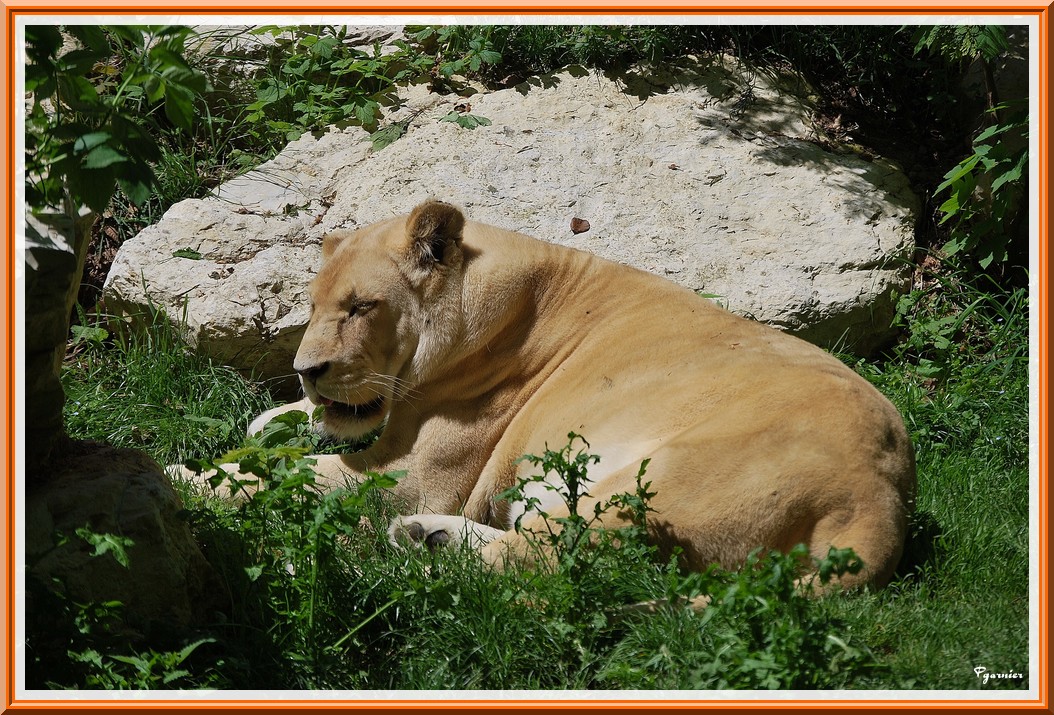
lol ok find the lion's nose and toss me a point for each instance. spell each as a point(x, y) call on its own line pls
point(311, 372)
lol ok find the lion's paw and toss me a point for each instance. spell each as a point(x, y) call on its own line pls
point(436, 530)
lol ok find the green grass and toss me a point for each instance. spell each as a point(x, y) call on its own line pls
point(970, 547)
point(371, 616)
point(329, 604)
point(149, 391)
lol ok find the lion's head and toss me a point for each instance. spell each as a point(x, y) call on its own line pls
point(384, 310)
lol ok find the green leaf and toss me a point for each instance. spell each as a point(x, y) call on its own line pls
point(991, 132)
point(79, 94)
point(468, 121)
point(179, 106)
point(139, 663)
point(366, 112)
point(90, 141)
point(186, 77)
point(1013, 174)
point(386, 480)
point(139, 145)
point(88, 334)
point(91, 36)
point(79, 62)
point(167, 59)
point(102, 156)
point(42, 41)
point(92, 187)
point(271, 90)
point(116, 546)
point(187, 253)
point(324, 47)
point(133, 34)
point(152, 84)
point(421, 35)
point(949, 208)
point(953, 246)
point(138, 191)
point(383, 137)
point(174, 675)
point(962, 169)
point(39, 83)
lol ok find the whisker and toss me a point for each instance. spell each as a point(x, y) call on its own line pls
point(285, 377)
point(379, 385)
point(401, 389)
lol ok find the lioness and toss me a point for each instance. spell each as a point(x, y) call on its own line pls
point(473, 346)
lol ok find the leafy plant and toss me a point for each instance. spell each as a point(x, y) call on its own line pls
point(465, 120)
point(491, 51)
point(112, 544)
point(317, 80)
point(954, 319)
point(758, 631)
point(91, 123)
point(462, 50)
point(142, 671)
point(959, 43)
point(295, 535)
point(984, 191)
point(576, 542)
point(86, 334)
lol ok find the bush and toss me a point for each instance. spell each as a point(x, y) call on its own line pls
point(94, 116)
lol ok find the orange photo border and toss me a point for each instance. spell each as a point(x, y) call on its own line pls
point(12, 9)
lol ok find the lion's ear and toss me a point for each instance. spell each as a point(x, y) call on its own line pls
point(433, 235)
point(332, 240)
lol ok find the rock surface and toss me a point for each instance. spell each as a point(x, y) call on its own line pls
point(710, 177)
point(124, 493)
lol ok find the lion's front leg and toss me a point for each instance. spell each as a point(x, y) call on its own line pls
point(257, 425)
point(435, 530)
point(330, 472)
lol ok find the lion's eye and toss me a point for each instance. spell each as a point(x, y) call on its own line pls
point(362, 306)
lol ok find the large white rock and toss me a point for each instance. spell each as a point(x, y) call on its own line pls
point(710, 178)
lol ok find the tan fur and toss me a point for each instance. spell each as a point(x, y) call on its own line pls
point(486, 345)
